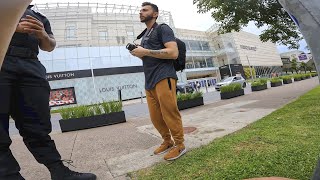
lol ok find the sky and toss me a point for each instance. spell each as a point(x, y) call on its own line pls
point(184, 14)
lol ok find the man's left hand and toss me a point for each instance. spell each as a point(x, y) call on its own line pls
point(33, 26)
point(139, 52)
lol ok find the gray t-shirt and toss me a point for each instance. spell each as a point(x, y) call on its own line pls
point(156, 69)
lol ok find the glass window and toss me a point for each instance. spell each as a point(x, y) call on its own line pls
point(84, 63)
point(103, 35)
point(189, 65)
point(195, 45)
point(72, 65)
point(116, 61)
point(97, 63)
point(106, 62)
point(205, 46)
point(71, 30)
point(210, 62)
point(130, 34)
point(94, 52)
point(58, 53)
point(83, 52)
point(115, 51)
point(187, 44)
point(129, 30)
point(45, 56)
point(71, 52)
point(48, 66)
point(203, 64)
point(59, 65)
point(104, 51)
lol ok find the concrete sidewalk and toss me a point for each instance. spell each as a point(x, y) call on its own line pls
point(113, 151)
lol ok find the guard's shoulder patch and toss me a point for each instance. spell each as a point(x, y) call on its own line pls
point(37, 12)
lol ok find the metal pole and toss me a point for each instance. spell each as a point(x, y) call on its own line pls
point(229, 68)
point(250, 68)
point(93, 80)
point(206, 85)
point(141, 97)
point(119, 95)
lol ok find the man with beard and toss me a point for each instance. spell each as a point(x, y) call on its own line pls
point(24, 95)
point(158, 52)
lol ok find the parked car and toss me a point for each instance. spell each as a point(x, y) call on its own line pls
point(231, 80)
point(184, 87)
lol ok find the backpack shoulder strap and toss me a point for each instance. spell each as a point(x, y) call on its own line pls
point(159, 30)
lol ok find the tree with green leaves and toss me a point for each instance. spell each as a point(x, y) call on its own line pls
point(248, 71)
point(309, 68)
point(303, 66)
point(294, 65)
point(232, 15)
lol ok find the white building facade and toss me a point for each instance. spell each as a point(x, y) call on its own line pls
point(92, 64)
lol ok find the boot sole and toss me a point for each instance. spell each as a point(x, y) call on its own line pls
point(182, 153)
point(163, 151)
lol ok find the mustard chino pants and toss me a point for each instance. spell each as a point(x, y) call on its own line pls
point(164, 112)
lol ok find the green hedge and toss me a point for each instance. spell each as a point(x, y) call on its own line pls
point(90, 110)
point(275, 80)
point(230, 88)
point(297, 76)
point(188, 96)
point(286, 78)
point(259, 82)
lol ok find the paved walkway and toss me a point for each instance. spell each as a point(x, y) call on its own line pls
point(115, 150)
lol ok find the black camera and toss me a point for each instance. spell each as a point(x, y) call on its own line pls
point(131, 47)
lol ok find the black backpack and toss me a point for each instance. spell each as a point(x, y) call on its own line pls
point(180, 62)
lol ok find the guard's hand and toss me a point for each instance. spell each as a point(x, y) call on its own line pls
point(32, 26)
point(139, 52)
point(19, 29)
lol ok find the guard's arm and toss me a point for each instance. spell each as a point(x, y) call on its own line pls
point(35, 27)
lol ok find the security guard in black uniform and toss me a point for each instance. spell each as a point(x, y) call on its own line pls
point(24, 95)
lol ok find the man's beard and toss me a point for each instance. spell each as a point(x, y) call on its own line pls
point(148, 18)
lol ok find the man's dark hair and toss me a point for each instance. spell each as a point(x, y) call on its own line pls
point(154, 7)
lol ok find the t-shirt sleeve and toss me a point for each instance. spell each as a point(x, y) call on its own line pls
point(167, 34)
point(47, 26)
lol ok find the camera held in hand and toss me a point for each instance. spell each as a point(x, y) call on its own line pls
point(131, 46)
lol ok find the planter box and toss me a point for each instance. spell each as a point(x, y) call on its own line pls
point(276, 84)
point(229, 95)
point(259, 88)
point(92, 121)
point(190, 103)
point(287, 81)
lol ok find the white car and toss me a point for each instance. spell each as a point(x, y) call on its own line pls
point(231, 80)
